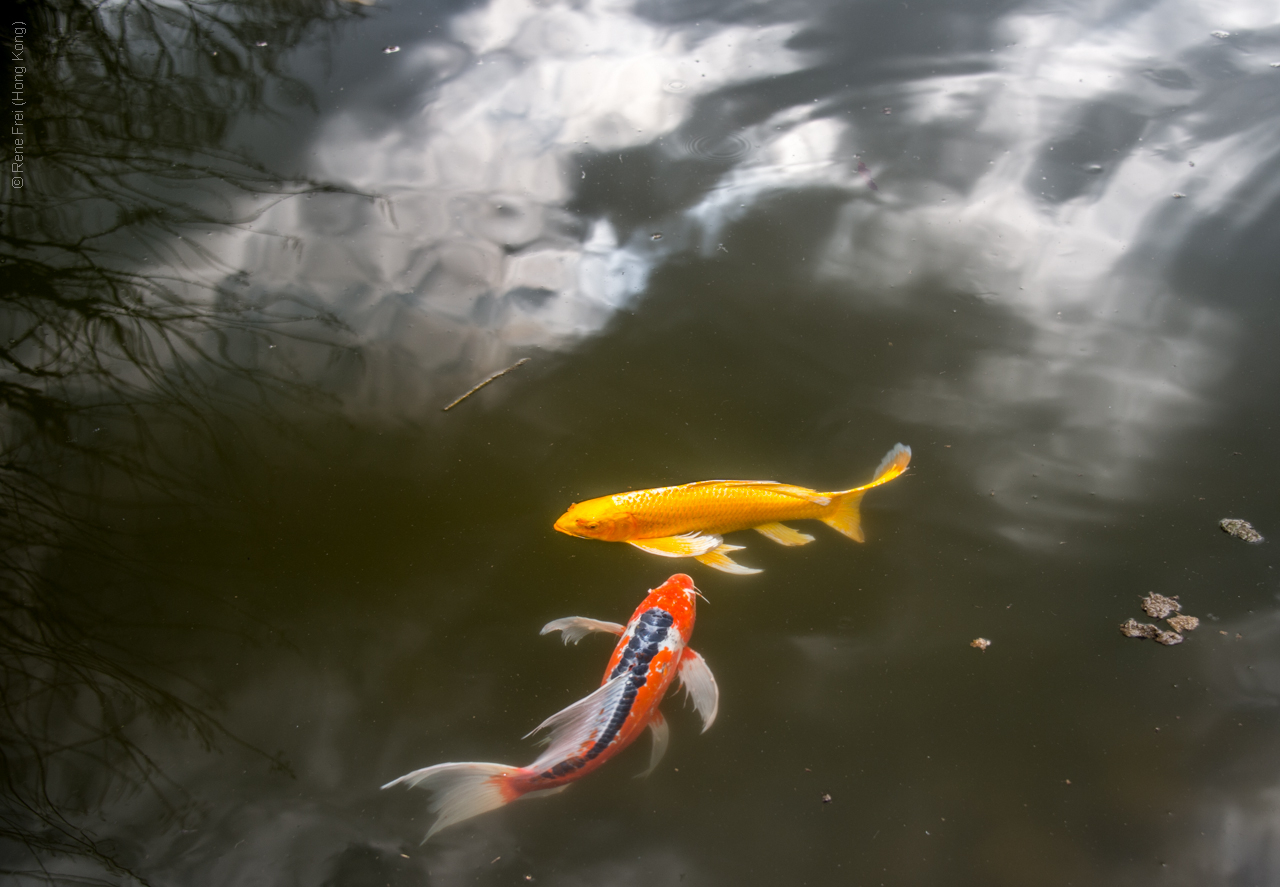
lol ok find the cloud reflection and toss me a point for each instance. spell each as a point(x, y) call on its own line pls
point(472, 254)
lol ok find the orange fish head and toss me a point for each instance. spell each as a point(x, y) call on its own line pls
point(596, 520)
point(679, 597)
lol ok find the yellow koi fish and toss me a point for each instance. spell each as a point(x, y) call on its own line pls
point(688, 520)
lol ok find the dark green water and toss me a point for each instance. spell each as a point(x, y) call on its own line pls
point(252, 571)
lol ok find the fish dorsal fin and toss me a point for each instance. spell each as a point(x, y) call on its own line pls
point(579, 723)
point(661, 739)
point(771, 486)
point(687, 545)
point(575, 628)
point(696, 678)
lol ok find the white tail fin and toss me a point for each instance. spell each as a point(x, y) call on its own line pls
point(461, 790)
point(846, 512)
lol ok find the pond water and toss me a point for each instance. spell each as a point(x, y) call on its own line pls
point(254, 571)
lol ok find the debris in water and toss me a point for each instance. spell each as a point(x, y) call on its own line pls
point(1221, 35)
point(519, 362)
point(887, 110)
point(866, 174)
point(1275, 64)
point(260, 43)
point(1178, 195)
point(1241, 529)
point(390, 49)
point(656, 235)
point(1157, 606)
point(826, 799)
point(1183, 623)
point(980, 644)
point(1132, 628)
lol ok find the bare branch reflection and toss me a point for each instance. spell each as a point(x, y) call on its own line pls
point(119, 335)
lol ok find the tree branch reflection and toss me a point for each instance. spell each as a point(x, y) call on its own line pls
point(120, 333)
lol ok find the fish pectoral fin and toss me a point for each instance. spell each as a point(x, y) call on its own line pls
point(700, 683)
point(688, 545)
point(717, 559)
point(571, 727)
point(783, 535)
point(575, 628)
point(661, 739)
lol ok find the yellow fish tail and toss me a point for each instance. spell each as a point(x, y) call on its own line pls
point(845, 513)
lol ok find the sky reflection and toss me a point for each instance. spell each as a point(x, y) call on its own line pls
point(1032, 166)
point(1044, 171)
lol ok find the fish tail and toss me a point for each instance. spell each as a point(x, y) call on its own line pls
point(462, 791)
point(845, 511)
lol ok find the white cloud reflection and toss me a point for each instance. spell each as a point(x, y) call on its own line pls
point(472, 255)
point(475, 256)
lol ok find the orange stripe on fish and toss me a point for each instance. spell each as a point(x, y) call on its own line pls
point(652, 652)
point(690, 520)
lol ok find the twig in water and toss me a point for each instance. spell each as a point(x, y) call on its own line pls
point(486, 382)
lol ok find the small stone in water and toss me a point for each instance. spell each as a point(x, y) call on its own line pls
point(1241, 529)
point(1184, 623)
point(1158, 606)
point(980, 644)
point(390, 49)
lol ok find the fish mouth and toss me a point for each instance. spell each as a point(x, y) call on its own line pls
point(561, 528)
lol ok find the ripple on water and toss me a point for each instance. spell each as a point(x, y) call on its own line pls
point(719, 147)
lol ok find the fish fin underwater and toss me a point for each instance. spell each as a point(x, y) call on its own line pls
point(846, 515)
point(719, 559)
point(463, 790)
point(573, 726)
point(661, 740)
point(686, 545)
point(783, 535)
point(803, 493)
point(698, 681)
point(574, 628)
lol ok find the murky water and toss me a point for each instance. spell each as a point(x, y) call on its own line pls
point(253, 571)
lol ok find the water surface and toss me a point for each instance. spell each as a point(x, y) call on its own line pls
point(255, 572)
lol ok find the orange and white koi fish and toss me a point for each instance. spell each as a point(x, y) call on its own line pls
point(651, 653)
point(687, 521)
